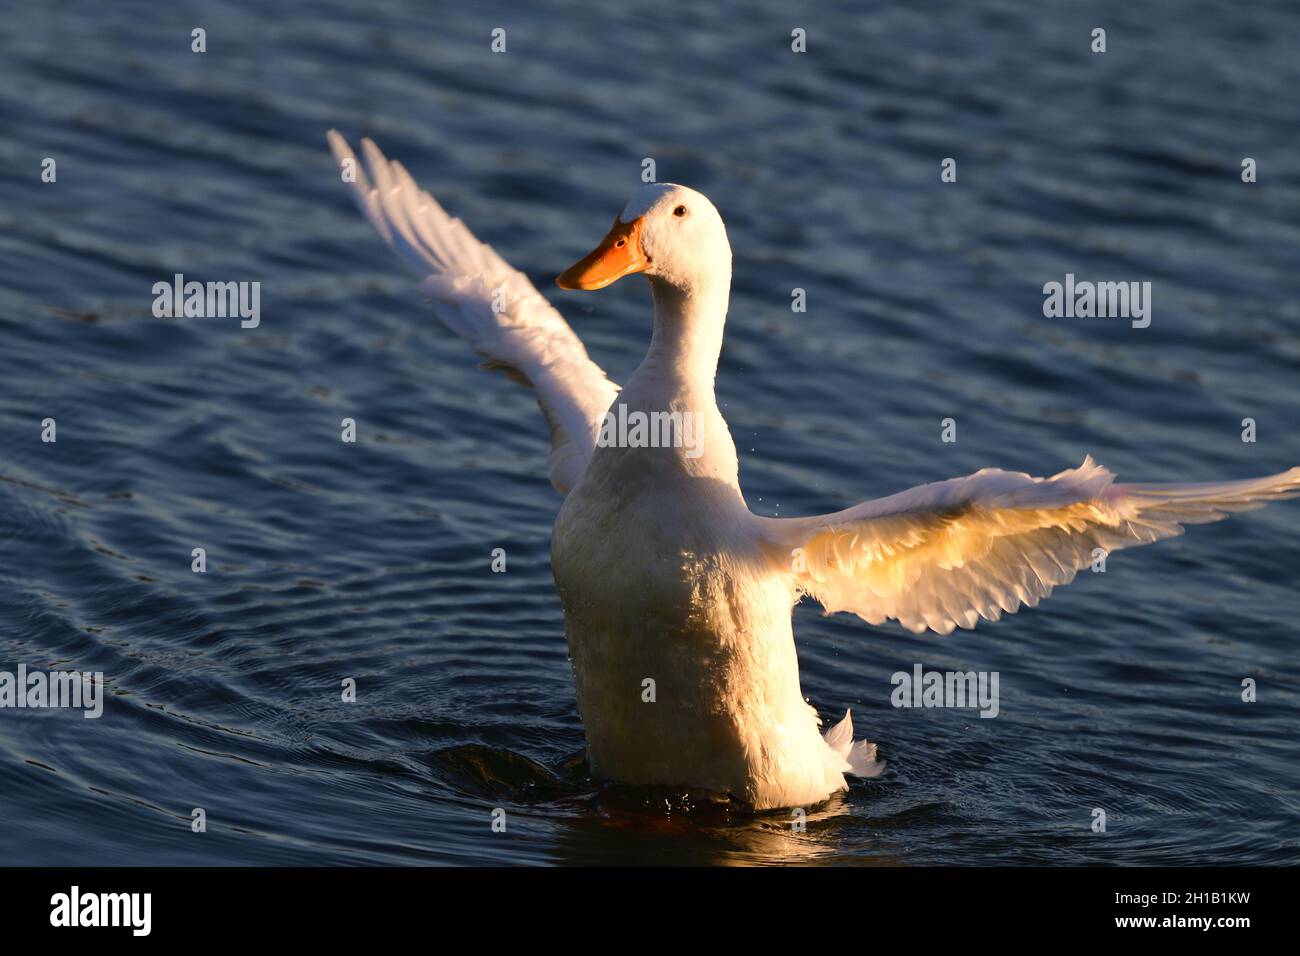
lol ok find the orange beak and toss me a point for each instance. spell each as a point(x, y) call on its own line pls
point(619, 254)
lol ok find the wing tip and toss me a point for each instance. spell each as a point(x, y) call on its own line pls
point(338, 145)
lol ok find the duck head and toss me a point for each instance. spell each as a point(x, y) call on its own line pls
point(671, 233)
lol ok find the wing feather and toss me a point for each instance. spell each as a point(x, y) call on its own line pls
point(465, 279)
point(945, 555)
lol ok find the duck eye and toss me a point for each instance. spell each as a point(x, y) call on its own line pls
point(679, 211)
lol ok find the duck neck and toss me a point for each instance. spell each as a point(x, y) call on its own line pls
point(687, 339)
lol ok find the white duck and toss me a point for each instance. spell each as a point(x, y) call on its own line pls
point(665, 573)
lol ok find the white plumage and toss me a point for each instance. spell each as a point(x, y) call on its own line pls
point(944, 555)
point(677, 597)
point(528, 339)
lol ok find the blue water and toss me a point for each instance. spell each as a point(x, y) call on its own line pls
point(372, 561)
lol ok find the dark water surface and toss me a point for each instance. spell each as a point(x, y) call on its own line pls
point(371, 561)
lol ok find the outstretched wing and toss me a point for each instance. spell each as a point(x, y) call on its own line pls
point(494, 307)
point(945, 555)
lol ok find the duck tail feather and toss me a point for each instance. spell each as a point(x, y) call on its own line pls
point(859, 758)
